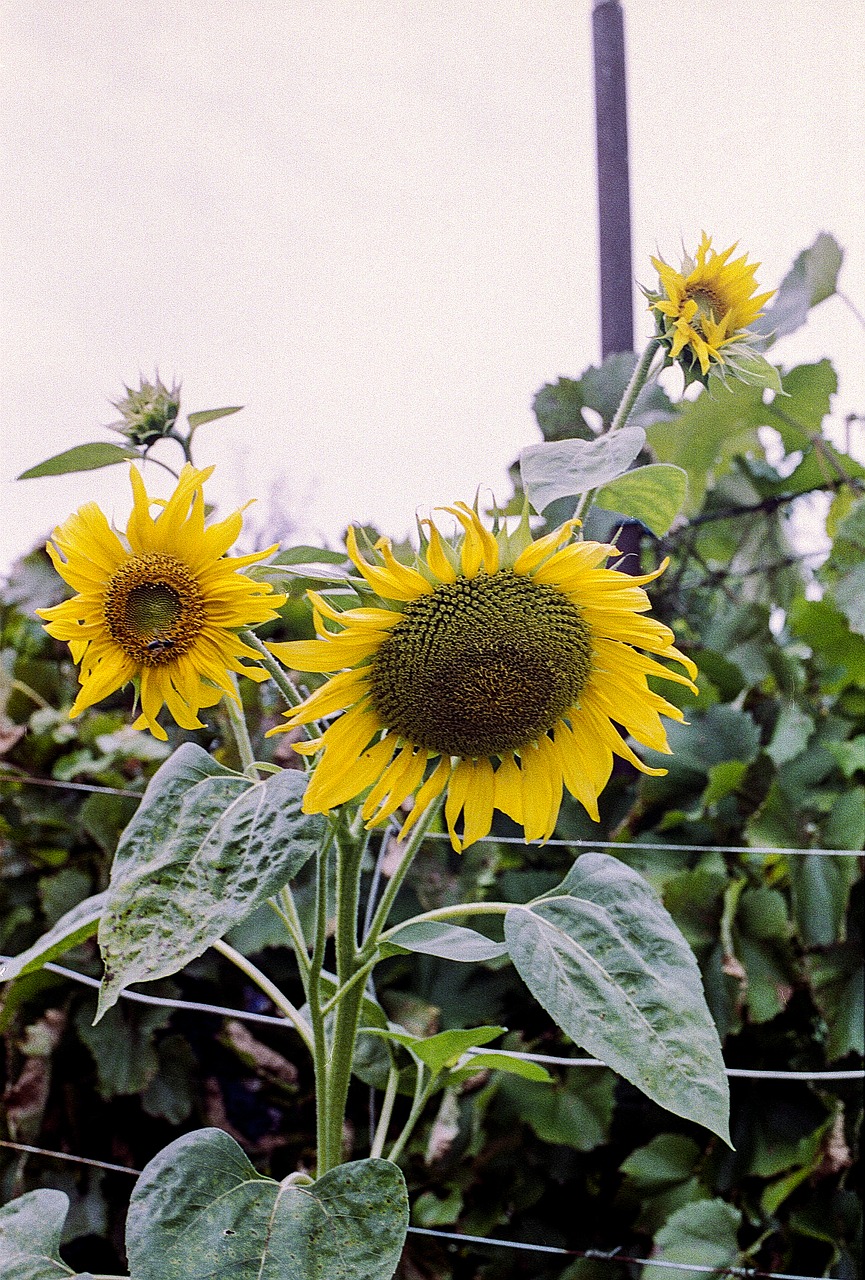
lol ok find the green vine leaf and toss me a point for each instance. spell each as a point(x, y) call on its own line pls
point(205, 848)
point(200, 1210)
point(603, 956)
point(654, 494)
point(84, 457)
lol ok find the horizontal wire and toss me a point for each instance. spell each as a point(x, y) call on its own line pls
point(453, 1237)
point(493, 839)
point(243, 1015)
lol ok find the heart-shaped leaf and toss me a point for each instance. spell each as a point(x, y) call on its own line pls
point(30, 1230)
point(564, 468)
point(653, 494)
point(605, 959)
point(205, 848)
point(200, 1211)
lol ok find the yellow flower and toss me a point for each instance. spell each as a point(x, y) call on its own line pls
point(706, 306)
point(494, 669)
point(160, 605)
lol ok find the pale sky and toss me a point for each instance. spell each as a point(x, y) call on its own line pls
point(373, 224)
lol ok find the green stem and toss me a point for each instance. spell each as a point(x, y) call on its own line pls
point(316, 1016)
point(386, 1112)
point(422, 1095)
point(291, 918)
point(448, 913)
point(351, 846)
point(270, 990)
point(240, 731)
point(286, 686)
point(358, 976)
point(639, 378)
point(388, 898)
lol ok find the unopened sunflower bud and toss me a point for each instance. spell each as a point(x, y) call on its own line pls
point(149, 413)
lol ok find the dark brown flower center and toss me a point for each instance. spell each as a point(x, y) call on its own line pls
point(483, 666)
point(154, 608)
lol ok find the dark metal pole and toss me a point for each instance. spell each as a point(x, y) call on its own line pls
point(614, 199)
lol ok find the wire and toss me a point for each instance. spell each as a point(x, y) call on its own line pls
point(760, 850)
point(453, 1237)
point(273, 1020)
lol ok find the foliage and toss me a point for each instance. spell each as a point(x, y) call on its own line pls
point(772, 756)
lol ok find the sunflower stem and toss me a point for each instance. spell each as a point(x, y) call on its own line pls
point(314, 997)
point(270, 990)
point(448, 913)
point(422, 1093)
point(280, 677)
point(237, 721)
point(351, 846)
point(386, 1112)
point(388, 898)
point(639, 378)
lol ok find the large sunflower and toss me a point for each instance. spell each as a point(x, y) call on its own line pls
point(706, 306)
point(494, 669)
point(160, 605)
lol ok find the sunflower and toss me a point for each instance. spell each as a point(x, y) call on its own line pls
point(494, 669)
point(707, 306)
point(160, 605)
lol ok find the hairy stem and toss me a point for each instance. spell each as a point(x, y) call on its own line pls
point(237, 721)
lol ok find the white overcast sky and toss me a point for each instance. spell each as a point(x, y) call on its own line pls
point(372, 223)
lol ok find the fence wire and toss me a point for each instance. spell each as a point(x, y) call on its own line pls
point(455, 1238)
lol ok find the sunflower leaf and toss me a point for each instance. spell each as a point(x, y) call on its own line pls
point(71, 929)
point(200, 1208)
point(447, 941)
point(205, 848)
point(602, 955)
point(653, 494)
point(210, 415)
point(84, 457)
point(565, 468)
point(30, 1230)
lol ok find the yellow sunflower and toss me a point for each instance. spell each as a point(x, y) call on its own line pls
point(706, 306)
point(494, 668)
point(159, 605)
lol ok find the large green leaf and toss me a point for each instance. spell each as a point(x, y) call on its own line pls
point(565, 468)
point(84, 457)
point(447, 941)
point(74, 927)
point(703, 1233)
point(812, 278)
point(201, 1211)
point(205, 847)
point(603, 956)
point(30, 1230)
point(653, 494)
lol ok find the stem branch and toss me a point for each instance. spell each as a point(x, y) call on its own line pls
point(273, 992)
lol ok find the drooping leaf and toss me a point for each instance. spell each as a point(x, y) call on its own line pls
point(603, 956)
point(210, 415)
point(70, 930)
point(812, 278)
point(703, 1233)
point(444, 1049)
point(568, 467)
point(84, 457)
point(205, 848)
point(30, 1231)
point(448, 941)
point(653, 494)
point(201, 1210)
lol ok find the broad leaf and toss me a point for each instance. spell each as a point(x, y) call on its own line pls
point(812, 278)
point(566, 468)
point(30, 1231)
point(653, 494)
point(205, 847)
point(200, 1211)
point(703, 1233)
point(447, 941)
point(71, 929)
point(506, 1062)
point(210, 415)
point(84, 457)
point(444, 1049)
point(603, 956)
